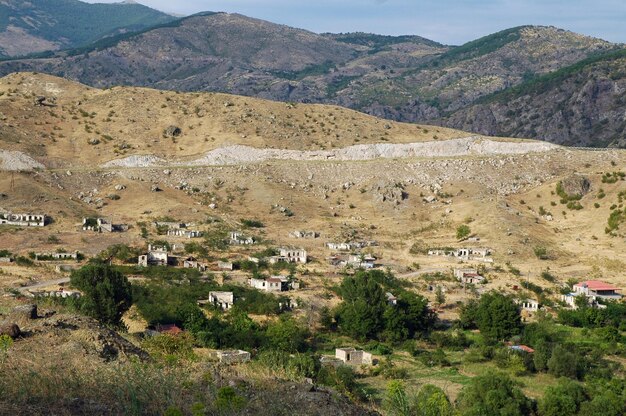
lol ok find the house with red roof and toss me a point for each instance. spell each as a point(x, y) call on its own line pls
point(593, 290)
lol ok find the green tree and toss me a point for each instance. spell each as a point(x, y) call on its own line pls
point(396, 401)
point(564, 399)
point(565, 363)
point(493, 394)
point(432, 401)
point(286, 335)
point(106, 292)
point(498, 317)
point(361, 314)
point(607, 403)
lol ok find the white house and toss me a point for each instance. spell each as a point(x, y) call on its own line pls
point(593, 290)
point(468, 276)
point(238, 239)
point(181, 232)
point(365, 261)
point(156, 256)
point(224, 300)
point(290, 255)
point(271, 284)
point(23, 220)
point(353, 356)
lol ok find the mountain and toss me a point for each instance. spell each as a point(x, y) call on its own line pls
point(42, 25)
point(403, 78)
point(580, 105)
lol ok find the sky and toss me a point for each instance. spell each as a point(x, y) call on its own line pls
point(451, 22)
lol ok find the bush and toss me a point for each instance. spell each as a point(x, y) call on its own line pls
point(463, 231)
point(493, 394)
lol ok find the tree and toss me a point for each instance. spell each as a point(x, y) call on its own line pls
point(106, 292)
point(440, 297)
point(365, 312)
point(564, 399)
point(497, 317)
point(396, 401)
point(286, 335)
point(360, 315)
point(565, 363)
point(432, 401)
point(493, 394)
point(463, 231)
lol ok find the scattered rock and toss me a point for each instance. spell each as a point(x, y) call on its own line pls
point(393, 193)
point(10, 329)
point(155, 188)
point(24, 312)
point(576, 185)
point(94, 141)
point(120, 187)
point(172, 131)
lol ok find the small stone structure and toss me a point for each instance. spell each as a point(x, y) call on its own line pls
point(273, 284)
point(180, 232)
point(468, 276)
point(238, 239)
point(23, 220)
point(233, 356)
point(290, 255)
point(57, 256)
point(156, 256)
point(223, 300)
point(102, 225)
point(304, 234)
point(353, 356)
point(225, 265)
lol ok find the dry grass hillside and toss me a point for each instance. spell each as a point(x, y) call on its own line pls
point(126, 121)
point(506, 199)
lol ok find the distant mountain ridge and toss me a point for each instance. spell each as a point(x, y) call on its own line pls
point(403, 78)
point(41, 25)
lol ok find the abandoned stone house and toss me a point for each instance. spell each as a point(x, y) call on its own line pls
point(222, 300)
point(468, 276)
point(23, 220)
point(233, 356)
point(225, 265)
point(60, 293)
point(273, 284)
point(170, 225)
point(467, 253)
point(529, 305)
point(365, 261)
point(339, 246)
point(290, 255)
point(193, 263)
point(238, 239)
point(156, 256)
point(304, 234)
point(351, 245)
point(353, 356)
point(391, 299)
point(6, 259)
point(57, 256)
point(181, 232)
point(102, 225)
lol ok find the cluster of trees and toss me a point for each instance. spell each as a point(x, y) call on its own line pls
point(495, 315)
point(613, 316)
point(366, 313)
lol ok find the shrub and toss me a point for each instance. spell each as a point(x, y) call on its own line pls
point(463, 231)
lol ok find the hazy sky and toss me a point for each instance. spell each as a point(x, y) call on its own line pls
point(446, 21)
